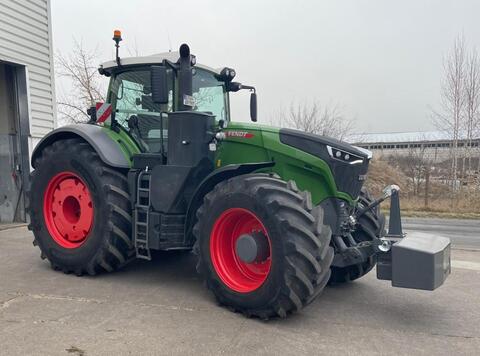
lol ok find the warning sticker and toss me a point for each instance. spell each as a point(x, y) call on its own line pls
point(188, 100)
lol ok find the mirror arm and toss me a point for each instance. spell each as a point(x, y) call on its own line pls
point(248, 87)
point(235, 86)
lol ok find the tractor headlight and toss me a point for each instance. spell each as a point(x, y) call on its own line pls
point(344, 156)
point(226, 74)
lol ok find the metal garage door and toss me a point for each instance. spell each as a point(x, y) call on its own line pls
point(11, 199)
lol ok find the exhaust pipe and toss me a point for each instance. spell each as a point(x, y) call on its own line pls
point(185, 99)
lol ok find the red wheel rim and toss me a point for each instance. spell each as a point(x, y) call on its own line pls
point(239, 276)
point(68, 210)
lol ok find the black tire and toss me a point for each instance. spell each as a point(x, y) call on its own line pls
point(369, 225)
point(108, 245)
point(300, 251)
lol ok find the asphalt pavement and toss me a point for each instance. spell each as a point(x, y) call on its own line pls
point(463, 233)
point(161, 307)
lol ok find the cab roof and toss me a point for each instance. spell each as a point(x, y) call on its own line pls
point(152, 59)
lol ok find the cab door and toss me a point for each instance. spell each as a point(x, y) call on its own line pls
point(131, 98)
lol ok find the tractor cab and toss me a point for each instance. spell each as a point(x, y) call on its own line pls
point(143, 91)
point(130, 94)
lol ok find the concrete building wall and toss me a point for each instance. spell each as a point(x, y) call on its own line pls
point(25, 38)
point(436, 151)
point(27, 96)
point(436, 146)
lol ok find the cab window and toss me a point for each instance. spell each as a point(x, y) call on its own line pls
point(131, 98)
point(209, 94)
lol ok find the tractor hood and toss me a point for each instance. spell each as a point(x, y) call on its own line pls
point(349, 164)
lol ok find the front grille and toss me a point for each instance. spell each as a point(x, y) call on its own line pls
point(349, 178)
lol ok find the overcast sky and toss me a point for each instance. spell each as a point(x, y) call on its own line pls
point(380, 60)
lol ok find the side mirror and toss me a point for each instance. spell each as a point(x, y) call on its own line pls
point(253, 107)
point(92, 112)
point(159, 83)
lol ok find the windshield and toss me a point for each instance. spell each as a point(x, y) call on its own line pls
point(209, 94)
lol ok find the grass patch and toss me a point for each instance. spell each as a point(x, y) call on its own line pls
point(442, 202)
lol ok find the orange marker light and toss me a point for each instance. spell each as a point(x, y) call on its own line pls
point(117, 35)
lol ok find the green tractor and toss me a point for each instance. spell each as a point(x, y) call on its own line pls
point(273, 215)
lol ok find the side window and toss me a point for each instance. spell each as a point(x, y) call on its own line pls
point(131, 99)
point(209, 94)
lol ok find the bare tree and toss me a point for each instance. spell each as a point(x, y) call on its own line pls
point(80, 68)
point(415, 164)
point(453, 100)
point(327, 120)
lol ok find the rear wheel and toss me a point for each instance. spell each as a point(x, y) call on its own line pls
point(79, 209)
point(369, 225)
point(262, 248)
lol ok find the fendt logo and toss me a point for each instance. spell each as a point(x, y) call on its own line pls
point(239, 134)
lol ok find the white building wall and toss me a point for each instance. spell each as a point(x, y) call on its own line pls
point(435, 151)
point(26, 38)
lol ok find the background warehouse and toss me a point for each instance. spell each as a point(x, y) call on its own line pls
point(27, 105)
point(428, 152)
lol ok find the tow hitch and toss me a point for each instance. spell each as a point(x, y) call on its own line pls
point(416, 260)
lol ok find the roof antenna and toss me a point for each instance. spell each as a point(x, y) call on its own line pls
point(169, 41)
point(117, 37)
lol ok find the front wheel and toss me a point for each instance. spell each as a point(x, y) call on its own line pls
point(79, 209)
point(262, 248)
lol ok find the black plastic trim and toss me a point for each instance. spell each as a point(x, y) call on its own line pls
point(108, 150)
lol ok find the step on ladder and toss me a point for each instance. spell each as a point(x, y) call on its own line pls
point(142, 209)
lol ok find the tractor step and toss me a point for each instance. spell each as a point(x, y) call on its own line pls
point(172, 232)
point(141, 214)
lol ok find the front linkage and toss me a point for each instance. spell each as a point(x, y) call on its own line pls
point(418, 261)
